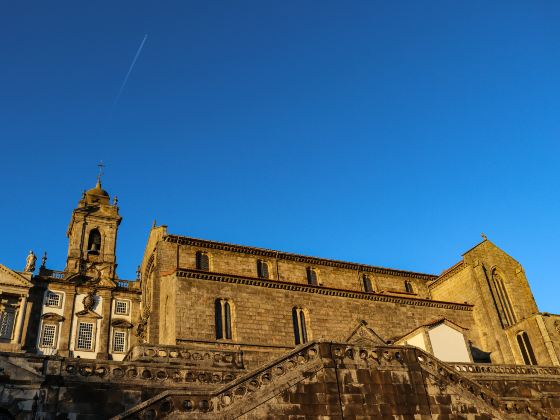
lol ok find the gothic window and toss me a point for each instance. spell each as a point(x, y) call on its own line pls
point(53, 299)
point(94, 242)
point(300, 326)
point(6, 324)
point(121, 307)
point(507, 314)
point(408, 287)
point(262, 269)
point(48, 336)
point(119, 342)
point(85, 336)
point(367, 284)
point(312, 276)
point(223, 319)
point(202, 261)
point(526, 348)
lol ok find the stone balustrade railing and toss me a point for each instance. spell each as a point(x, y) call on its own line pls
point(192, 356)
point(485, 369)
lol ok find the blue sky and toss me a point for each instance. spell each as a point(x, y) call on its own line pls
point(389, 133)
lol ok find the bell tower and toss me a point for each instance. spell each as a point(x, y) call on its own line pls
point(92, 235)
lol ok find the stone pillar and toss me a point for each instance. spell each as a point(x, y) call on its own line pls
point(105, 327)
point(20, 319)
point(66, 327)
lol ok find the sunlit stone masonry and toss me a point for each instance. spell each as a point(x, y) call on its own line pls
point(215, 330)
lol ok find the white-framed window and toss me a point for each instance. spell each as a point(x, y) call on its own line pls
point(119, 342)
point(121, 307)
point(48, 336)
point(53, 299)
point(6, 324)
point(85, 336)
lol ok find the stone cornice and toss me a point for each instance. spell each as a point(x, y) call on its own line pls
point(460, 266)
point(268, 253)
point(320, 290)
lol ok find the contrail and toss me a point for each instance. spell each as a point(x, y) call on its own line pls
point(130, 69)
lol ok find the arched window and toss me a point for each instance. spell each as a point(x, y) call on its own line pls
point(202, 261)
point(506, 309)
point(408, 287)
point(300, 326)
point(312, 276)
point(94, 242)
point(526, 348)
point(367, 284)
point(262, 269)
point(223, 319)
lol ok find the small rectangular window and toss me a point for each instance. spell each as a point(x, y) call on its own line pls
point(48, 336)
point(262, 269)
point(119, 342)
point(312, 276)
point(202, 261)
point(121, 307)
point(54, 299)
point(85, 336)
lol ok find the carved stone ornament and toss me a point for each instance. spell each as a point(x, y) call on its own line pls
point(557, 326)
point(89, 301)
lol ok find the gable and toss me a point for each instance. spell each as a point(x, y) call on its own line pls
point(11, 278)
point(363, 335)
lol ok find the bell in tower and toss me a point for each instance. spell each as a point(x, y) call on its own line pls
point(92, 235)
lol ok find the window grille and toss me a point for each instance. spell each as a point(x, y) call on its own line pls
point(121, 307)
point(262, 269)
point(202, 261)
point(312, 276)
point(367, 284)
point(85, 336)
point(53, 299)
point(526, 348)
point(300, 327)
point(6, 324)
point(119, 342)
point(223, 319)
point(48, 336)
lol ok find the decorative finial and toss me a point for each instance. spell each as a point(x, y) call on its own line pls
point(483, 236)
point(154, 224)
point(138, 273)
point(100, 165)
point(44, 260)
point(115, 200)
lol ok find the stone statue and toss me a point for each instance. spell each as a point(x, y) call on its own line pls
point(44, 260)
point(30, 262)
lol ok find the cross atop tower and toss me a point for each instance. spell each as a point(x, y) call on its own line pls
point(100, 165)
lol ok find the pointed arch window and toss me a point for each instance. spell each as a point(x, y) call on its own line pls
point(262, 269)
point(223, 319)
point(202, 261)
point(526, 348)
point(367, 284)
point(312, 276)
point(506, 310)
point(94, 242)
point(300, 326)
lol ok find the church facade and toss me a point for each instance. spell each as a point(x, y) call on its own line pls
point(216, 330)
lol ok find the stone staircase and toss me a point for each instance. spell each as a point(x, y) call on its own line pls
point(342, 380)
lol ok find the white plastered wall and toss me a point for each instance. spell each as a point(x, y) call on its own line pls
point(449, 344)
point(79, 306)
point(417, 340)
point(51, 310)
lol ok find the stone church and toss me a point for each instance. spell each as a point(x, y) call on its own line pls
point(217, 330)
